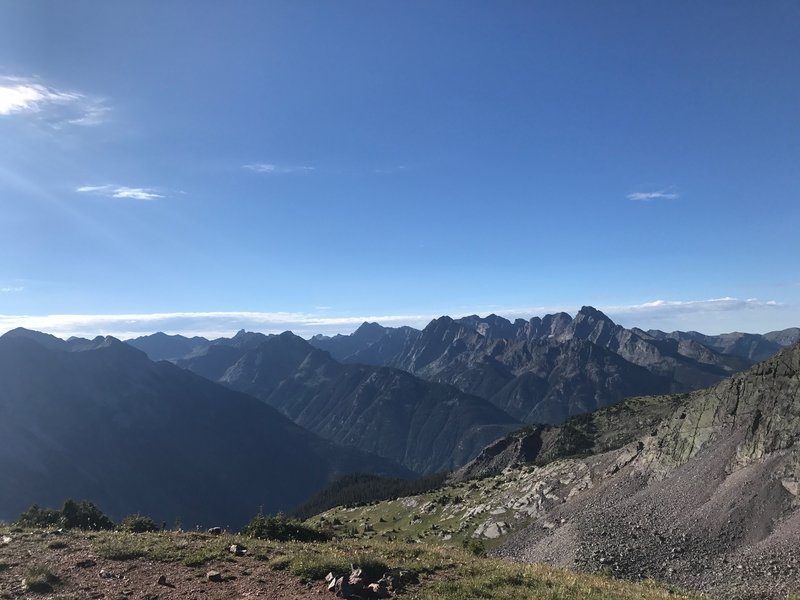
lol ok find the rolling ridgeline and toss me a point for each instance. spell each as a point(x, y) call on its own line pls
point(266, 421)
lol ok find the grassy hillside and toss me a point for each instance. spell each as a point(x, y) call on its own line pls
point(72, 565)
point(456, 514)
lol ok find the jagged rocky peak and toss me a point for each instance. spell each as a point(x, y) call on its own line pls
point(493, 326)
point(243, 338)
point(590, 312)
point(440, 326)
point(593, 325)
point(554, 325)
point(446, 330)
point(369, 331)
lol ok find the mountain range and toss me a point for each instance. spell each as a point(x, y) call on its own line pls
point(422, 425)
point(542, 370)
point(263, 421)
point(98, 419)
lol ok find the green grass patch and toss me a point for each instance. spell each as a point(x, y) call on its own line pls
point(191, 549)
point(40, 579)
point(498, 580)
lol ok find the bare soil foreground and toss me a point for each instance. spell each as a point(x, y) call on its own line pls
point(116, 565)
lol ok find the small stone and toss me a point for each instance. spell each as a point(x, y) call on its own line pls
point(162, 580)
point(377, 590)
point(85, 564)
point(215, 576)
point(341, 587)
point(215, 530)
point(238, 549)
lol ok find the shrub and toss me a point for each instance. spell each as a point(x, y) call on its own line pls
point(475, 546)
point(39, 579)
point(36, 516)
point(84, 515)
point(138, 524)
point(282, 529)
point(74, 515)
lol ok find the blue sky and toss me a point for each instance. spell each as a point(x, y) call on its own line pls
point(198, 167)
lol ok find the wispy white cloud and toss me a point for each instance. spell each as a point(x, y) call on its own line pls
point(710, 316)
point(657, 195)
point(390, 170)
point(11, 289)
point(209, 324)
point(121, 191)
point(273, 169)
point(714, 304)
point(25, 96)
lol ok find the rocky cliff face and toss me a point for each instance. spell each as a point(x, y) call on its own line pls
point(761, 405)
point(341, 347)
point(543, 380)
point(546, 369)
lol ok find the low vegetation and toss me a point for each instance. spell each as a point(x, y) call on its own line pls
point(359, 489)
point(283, 529)
point(137, 524)
point(39, 579)
point(429, 571)
point(73, 515)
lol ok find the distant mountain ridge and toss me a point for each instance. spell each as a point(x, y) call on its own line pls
point(422, 425)
point(98, 419)
point(541, 370)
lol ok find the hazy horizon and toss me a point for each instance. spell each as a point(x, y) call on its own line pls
point(710, 317)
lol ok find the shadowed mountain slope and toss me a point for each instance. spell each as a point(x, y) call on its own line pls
point(422, 425)
point(97, 419)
